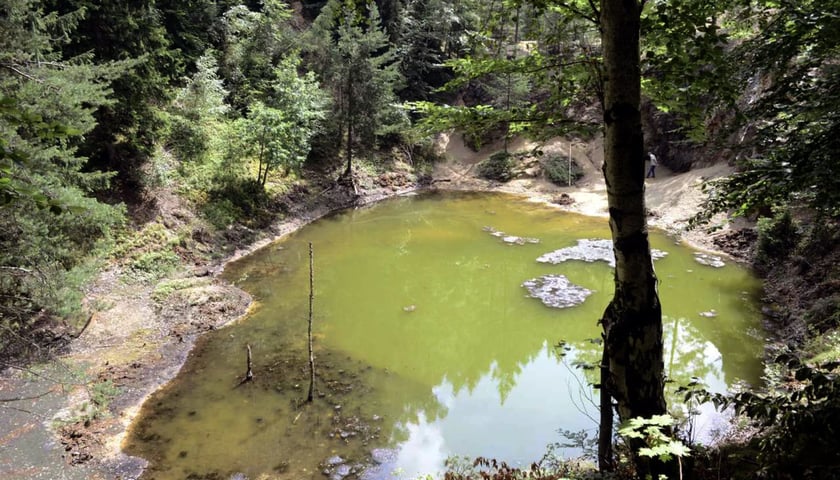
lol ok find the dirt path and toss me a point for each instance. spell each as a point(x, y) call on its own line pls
point(137, 343)
point(671, 198)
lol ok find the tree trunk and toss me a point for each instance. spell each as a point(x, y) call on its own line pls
point(260, 179)
point(348, 172)
point(605, 430)
point(632, 322)
point(249, 374)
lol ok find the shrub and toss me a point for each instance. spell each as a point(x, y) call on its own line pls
point(153, 265)
point(146, 254)
point(187, 138)
point(237, 199)
point(221, 212)
point(824, 313)
point(777, 237)
point(798, 423)
point(556, 168)
point(498, 167)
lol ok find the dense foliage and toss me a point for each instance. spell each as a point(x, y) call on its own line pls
point(356, 62)
point(786, 129)
point(498, 167)
point(49, 217)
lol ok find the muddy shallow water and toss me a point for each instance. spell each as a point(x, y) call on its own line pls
point(427, 345)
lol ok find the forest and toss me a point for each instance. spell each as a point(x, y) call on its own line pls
point(148, 143)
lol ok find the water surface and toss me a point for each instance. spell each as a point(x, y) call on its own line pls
point(427, 345)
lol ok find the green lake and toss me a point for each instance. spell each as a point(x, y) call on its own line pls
point(427, 346)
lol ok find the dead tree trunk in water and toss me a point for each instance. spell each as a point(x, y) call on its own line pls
point(249, 374)
point(311, 298)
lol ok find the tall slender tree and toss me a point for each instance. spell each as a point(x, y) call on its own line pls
point(632, 322)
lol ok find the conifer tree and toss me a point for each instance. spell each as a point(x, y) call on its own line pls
point(425, 43)
point(49, 218)
point(118, 30)
point(357, 63)
point(254, 43)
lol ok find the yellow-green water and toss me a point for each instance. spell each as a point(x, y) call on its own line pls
point(426, 345)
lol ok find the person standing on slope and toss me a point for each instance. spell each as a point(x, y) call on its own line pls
point(653, 163)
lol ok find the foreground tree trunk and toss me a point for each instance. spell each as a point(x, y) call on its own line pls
point(632, 322)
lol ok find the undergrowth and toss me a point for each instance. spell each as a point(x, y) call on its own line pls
point(147, 254)
point(560, 171)
point(498, 166)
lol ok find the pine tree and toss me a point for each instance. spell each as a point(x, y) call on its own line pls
point(254, 43)
point(356, 62)
point(49, 218)
point(119, 30)
point(424, 40)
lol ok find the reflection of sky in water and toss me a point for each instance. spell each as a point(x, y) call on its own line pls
point(512, 426)
point(689, 358)
point(515, 426)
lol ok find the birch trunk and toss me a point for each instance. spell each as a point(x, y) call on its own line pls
point(632, 322)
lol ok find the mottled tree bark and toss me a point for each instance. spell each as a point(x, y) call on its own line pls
point(632, 322)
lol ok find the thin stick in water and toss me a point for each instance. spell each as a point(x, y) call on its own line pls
point(311, 298)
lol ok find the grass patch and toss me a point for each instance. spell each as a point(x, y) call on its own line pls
point(147, 254)
point(100, 395)
point(153, 265)
point(166, 288)
point(824, 348)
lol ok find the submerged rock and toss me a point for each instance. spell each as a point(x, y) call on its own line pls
point(383, 455)
point(492, 231)
point(590, 250)
point(341, 471)
point(709, 260)
point(556, 291)
point(564, 199)
point(509, 239)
